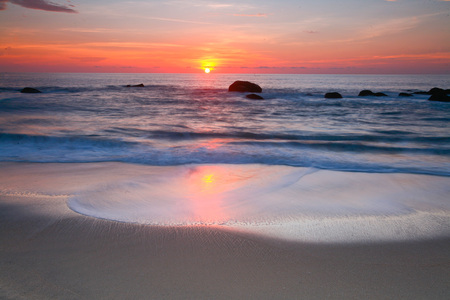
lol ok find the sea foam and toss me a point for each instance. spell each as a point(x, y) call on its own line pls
point(300, 204)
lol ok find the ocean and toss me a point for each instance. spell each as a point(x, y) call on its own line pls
point(180, 119)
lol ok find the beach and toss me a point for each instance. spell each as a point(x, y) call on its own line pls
point(179, 189)
point(48, 251)
point(224, 150)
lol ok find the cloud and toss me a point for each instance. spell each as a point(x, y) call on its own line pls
point(310, 31)
point(38, 4)
point(89, 59)
point(246, 15)
point(219, 5)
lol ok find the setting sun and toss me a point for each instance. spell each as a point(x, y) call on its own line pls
point(207, 70)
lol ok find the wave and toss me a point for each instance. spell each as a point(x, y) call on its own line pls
point(93, 140)
point(39, 148)
point(114, 88)
point(351, 147)
point(403, 136)
point(325, 154)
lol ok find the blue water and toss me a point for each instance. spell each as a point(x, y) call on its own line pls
point(192, 118)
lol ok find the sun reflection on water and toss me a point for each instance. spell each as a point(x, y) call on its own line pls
point(208, 178)
point(208, 188)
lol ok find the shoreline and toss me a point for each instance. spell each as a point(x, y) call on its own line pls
point(48, 251)
point(289, 203)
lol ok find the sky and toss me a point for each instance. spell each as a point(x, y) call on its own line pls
point(260, 36)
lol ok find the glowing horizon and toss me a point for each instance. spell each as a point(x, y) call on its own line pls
point(324, 37)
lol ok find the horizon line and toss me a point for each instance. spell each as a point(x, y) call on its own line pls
point(218, 73)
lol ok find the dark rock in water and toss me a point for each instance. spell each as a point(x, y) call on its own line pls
point(244, 86)
point(135, 85)
point(364, 93)
point(440, 96)
point(29, 90)
point(405, 95)
point(333, 95)
point(433, 91)
point(436, 90)
point(254, 96)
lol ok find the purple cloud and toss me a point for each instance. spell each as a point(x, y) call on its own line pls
point(38, 4)
point(2, 4)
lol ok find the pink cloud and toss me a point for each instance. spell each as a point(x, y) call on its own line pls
point(249, 15)
point(38, 4)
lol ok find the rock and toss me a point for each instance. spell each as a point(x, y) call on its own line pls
point(440, 96)
point(333, 95)
point(29, 90)
point(136, 85)
point(244, 86)
point(433, 91)
point(254, 96)
point(364, 93)
point(405, 95)
point(436, 90)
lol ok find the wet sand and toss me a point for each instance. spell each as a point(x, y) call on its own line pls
point(77, 257)
point(47, 251)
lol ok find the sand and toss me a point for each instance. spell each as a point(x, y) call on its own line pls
point(48, 251)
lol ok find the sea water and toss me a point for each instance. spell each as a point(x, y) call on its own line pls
point(228, 160)
point(192, 118)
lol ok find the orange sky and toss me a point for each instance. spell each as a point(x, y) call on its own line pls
point(348, 36)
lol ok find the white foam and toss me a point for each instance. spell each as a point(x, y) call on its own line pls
point(277, 201)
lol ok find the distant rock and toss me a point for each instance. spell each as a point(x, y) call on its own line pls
point(433, 91)
point(135, 85)
point(405, 95)
point(244, 86)
point(29, 90)
point(365, 93)
point(440, 96)
point(254, 97)
point(333, 95)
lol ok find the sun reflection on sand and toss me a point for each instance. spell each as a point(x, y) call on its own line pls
point(211, 192)
point(206, 187)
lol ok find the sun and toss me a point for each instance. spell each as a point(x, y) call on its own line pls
point(207, 70)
